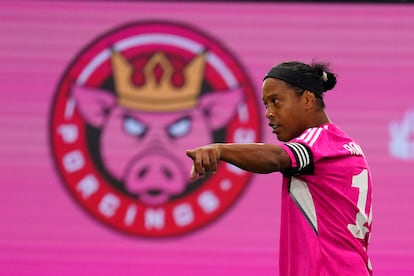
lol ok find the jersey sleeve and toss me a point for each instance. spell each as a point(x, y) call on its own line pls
point(307, 149)
point(301, 159)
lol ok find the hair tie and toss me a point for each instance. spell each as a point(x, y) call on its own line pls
point(324, 76)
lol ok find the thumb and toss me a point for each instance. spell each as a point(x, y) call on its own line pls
point(190, 153)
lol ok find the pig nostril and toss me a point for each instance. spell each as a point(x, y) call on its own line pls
point(167, 172)
point(154, 192)
point(142, 172)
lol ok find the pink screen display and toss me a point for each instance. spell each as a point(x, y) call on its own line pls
point(73, 197)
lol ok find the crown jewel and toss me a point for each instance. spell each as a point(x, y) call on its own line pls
point(158, 95)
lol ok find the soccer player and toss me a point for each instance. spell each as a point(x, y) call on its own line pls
point(326, 190)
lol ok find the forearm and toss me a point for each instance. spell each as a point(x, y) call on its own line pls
point(257, 157)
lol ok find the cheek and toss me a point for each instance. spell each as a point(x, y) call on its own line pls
point(290, 118)
point(286, 113)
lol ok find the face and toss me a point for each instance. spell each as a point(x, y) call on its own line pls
point(285, 110)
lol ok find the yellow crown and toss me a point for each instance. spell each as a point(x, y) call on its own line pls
point(159, 95)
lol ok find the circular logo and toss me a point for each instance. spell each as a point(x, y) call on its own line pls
point(125, 111)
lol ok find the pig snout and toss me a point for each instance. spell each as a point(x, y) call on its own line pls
point(154, 178)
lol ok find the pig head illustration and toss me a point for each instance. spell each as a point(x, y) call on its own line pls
point(146, 130)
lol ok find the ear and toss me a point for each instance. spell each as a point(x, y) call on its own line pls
point(309, 100)
point(220, 106)
point(93, 104)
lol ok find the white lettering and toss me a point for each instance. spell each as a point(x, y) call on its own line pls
point(402, 137)
point(225, 184)
point(154, 218)
point(353, 148)
point(109, 204)
point(183, 214)
point(87, 186)
point(73, 161)
point(69, 132)
point(242, 135)
point(70, 107)
point(234, 169)
point(130, 215)
point(208, 201)
point(243, 112)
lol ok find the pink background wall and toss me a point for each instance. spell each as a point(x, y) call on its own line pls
point(43, 231)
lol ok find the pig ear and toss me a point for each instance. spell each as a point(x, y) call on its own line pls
point(93, 104)
point(219, 107)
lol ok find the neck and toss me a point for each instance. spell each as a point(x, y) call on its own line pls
point(319, 119)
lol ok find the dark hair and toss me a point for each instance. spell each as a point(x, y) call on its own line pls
point(315, 70)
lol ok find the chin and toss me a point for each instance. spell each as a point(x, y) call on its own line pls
point(281, 138)
point(284, 137)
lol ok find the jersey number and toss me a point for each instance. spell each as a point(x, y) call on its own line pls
point(359, 230)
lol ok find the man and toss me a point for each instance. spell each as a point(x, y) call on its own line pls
point(326, 190)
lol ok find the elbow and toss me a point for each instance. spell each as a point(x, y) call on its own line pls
point(270, 167)
point(275, 167)
point(277, 162)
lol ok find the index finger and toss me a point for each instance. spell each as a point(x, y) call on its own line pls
point(190, 154)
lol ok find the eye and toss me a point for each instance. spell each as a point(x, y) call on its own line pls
point(134, 127)
point(179, 128)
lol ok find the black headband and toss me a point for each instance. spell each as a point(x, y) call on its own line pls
point(296, 79)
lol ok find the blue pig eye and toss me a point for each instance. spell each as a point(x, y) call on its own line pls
point(134, 127)
point(179, 128)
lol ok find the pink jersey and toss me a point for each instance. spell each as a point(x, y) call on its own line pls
point(326, 206)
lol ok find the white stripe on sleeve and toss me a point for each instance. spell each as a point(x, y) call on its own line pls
point(302, 154)
point(310, 135)
point(315, 137)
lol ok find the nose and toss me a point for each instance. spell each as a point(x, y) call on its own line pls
point(269, 113)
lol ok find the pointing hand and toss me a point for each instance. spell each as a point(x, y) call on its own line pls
point(205, 160)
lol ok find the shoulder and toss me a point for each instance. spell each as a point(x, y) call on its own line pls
point(327, 140)
point(317, 144)
point(312, 136)
point(326, 133)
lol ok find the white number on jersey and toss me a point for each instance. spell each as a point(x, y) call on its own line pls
point(359, 230)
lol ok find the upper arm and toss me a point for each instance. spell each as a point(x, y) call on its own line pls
point(283, 159)
point(274, 158)
point(301, 158)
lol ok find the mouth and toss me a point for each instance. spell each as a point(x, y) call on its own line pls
point(275, 127)
point(154, 197)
